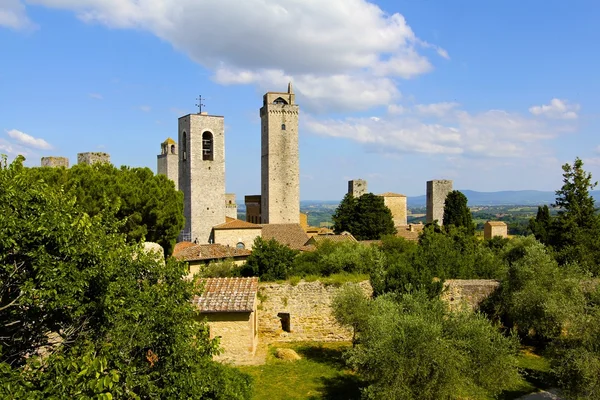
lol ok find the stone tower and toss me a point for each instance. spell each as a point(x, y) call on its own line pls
point(55, 162)
point(202, 174)
point(167, 162)
point(93, 158)
point(280, 169)
point(437, 191)
point(357, 187)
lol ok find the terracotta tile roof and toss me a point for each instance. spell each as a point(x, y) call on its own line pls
point(292, 235)
point(237, 224)
point(182, 245)
point(410, 232)
point(333, 238)
point(227, 295)
point(390, 194)
point(201, 252)
point(496, 223)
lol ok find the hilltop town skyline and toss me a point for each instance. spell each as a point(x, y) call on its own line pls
point(494, 97)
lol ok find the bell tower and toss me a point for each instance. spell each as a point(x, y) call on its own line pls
point(202, 174)
point(167, 161)
point(280, 167)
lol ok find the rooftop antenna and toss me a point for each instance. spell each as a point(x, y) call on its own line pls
point(200, 105)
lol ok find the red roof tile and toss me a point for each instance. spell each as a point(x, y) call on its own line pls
point(201, 252)
point(237, 224)
point(227, 295)
point(291, 235)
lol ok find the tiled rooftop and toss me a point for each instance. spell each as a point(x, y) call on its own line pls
point(227, 295)
point(231, 223)
point(390, 194)
point(333, 238)
point(291, 235)
point(496, 223)
point(201, 252)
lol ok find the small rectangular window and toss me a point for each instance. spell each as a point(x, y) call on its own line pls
point(285, 321)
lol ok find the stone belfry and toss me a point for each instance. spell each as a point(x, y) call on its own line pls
point(167, 162)
point(280, 169)
point(202, 174)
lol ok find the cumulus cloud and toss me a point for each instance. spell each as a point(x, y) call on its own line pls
point(28, 140)
point(558, 109)
point(351, 42)
point(445, 129)
point(13, 15)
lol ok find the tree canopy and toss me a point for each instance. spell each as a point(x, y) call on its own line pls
point(456, 211)
point(85, 314)
point(366, 218)
point(149, 204)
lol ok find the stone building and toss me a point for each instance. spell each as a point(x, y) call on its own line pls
point(230, 206)
point(199, 256)
point(202, 174)
point(437, 190)
point(280, 170)
point(55, 162)
point(237, 233)
point(167, 162)
point(253, 213)
point(229, 306)
point(357, 187)
point(93, 158)
point(397, 205)
point(495, 228)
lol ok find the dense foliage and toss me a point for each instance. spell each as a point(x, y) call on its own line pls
point(149, 204)
point(457, 213)
point(270, 260)
point(410, 347)
point(84, 314)
point(366, 218)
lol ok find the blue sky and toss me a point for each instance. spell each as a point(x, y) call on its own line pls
point(495, 95)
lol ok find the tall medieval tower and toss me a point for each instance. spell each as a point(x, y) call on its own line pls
point(437, 190)
point(167, 162)
point(280, 170)
point(202, 174)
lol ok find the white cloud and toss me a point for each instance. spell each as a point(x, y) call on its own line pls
point(14, 16)
point(446, 130)
point(558, 109)
point(145, 108)
point(351, 42)
point(96, 96)
point(28, 140)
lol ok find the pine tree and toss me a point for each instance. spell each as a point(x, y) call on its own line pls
point(457, 213)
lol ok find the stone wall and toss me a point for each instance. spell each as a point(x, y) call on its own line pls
point(468, 293)
point(437, 191)
point(230, 206)
point(55, 162)
point(308, 305)
point(397, 205)
point(238, 335)
point(93, 158)
point(253, 211)
point(231, 237)
point(168, 164)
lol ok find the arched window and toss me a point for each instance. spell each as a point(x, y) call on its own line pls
point(280, 100)
point(283, 127)
point(207, 146)
point(240, 245)
point(184, 146)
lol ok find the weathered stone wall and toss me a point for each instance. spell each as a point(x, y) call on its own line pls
point(357, 187)
point(93, 158)
point(280, 169)
point(201, 181)
point(168, 164)
point(309, 308)
point(437, 190)
point(468, 293)
point(489, 231)
point(397, 205)
point(231, 237)
point(238, 335)
point(55, 162)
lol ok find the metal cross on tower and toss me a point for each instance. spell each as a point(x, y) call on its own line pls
point(200, 105)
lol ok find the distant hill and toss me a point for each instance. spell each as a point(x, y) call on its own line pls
point(508, 197)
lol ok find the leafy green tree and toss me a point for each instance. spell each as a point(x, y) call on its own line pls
point(366, 218)
point(350, 307)
point(344, 217)
point(457, 213)
point(84, 314)
point(576, 235)
point(541, 225)
point(270, 260)
point(410, 347)
point(149, 204)
point(335, 257)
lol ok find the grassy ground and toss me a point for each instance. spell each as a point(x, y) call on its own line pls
point(322, 374)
